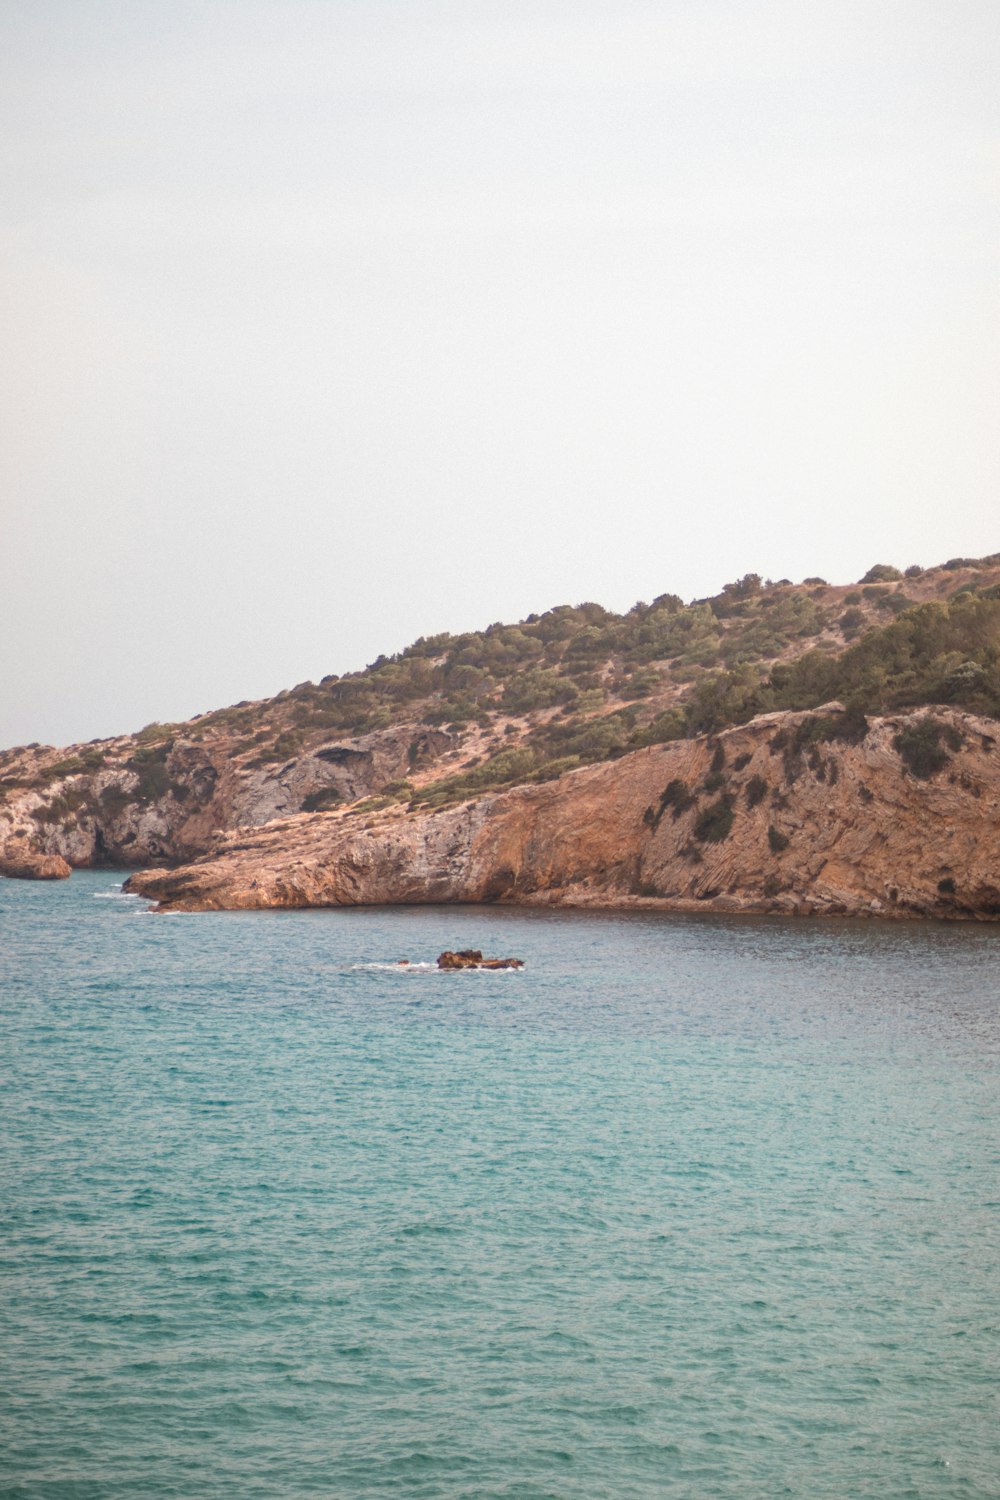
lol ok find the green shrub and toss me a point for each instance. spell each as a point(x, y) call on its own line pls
point(745, 587)
point(150, 765)
point(551, 770)
point(716, 779)
point(506, 768)
point(677, 795)
point(536, 689)
point(61, 807)
point(724, 698)
point(155, 732)
point(71, 766)
point(641, 683)
point(851, 622)
point(920, 749)
point(114, 799)
point(154, 780)
point(286, 746)
point(778, 841)
point(882, 573)
point(670, 725)
point(714, 823)
point(756, 790)
point(152, 754)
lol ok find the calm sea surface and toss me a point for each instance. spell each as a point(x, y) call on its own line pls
point(689, 1207)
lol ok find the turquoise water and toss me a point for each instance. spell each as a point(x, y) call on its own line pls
point(688, 1207)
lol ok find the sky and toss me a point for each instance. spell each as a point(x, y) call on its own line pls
point(329, 325)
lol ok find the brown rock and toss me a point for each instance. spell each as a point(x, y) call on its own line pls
point(856, 833)
point(21, 863)
point(472, 958)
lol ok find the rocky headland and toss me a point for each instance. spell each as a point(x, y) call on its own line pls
point(777, 748)
point(784, 814)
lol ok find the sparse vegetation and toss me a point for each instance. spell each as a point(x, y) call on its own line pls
point(882, 573)
point(580, 684)
point(150, 765)
point(756, 790)
point(920, 746)
point(676, 795)
point(114, 799)
point(714, 823)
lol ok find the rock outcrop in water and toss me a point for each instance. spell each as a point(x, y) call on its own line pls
point(472, 958)
point(794, 813)
point(19, 862)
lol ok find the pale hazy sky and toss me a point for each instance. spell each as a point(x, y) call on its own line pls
point(328, 325)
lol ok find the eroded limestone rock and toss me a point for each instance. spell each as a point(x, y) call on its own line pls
point(18, 862)
point(820, 825)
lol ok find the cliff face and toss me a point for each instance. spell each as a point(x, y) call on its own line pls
point(566, 759)
point(130, 802)
point(789, 813)
point(577, 685)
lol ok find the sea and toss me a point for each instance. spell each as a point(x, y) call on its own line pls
point(689, 1206)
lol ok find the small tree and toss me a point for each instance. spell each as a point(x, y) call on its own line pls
point(882, 573)
point(745, 587)
point(756, 790)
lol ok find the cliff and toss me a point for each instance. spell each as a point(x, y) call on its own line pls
point(578, 755)
point(168, 795)
point(793, 813)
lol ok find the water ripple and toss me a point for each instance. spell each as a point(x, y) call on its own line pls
point(697, 1207)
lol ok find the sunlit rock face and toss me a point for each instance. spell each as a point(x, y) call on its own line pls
point(794, 813)
point(20, 863)
point(579, 756)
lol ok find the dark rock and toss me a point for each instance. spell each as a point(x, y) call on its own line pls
point(472, 958)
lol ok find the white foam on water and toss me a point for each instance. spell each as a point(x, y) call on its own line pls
point(408, 968)
point(424, 968)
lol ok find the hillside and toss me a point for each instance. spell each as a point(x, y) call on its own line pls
point(791, 813)
point(454, 717)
